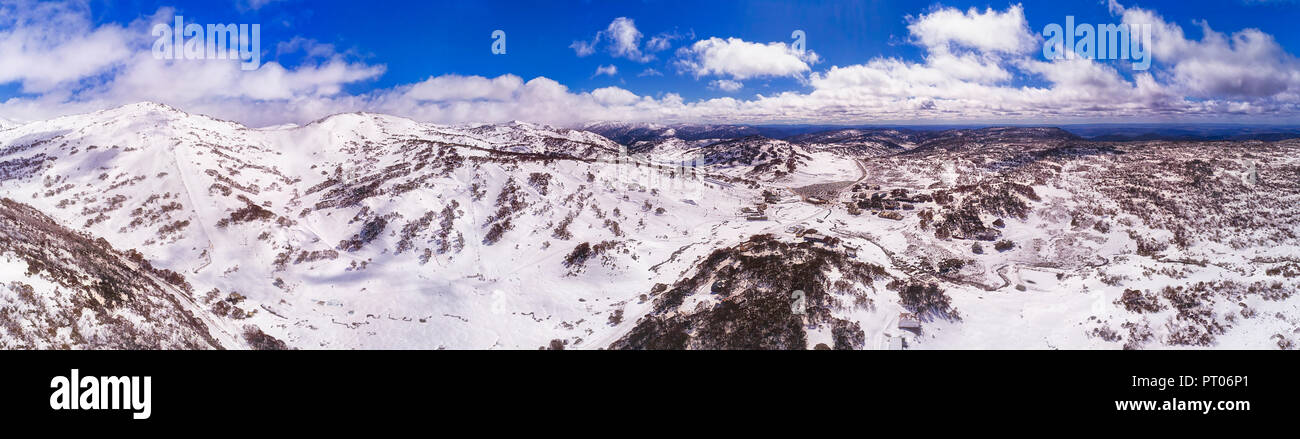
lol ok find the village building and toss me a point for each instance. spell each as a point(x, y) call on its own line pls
point(909, 321)
point(897, 343)
point(818, 238)
point(851, 250)
point(891, 215)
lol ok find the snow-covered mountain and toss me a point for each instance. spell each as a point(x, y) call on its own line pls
point(373, 231)
point(365, 230)
point(629, 133)
point(862, 143)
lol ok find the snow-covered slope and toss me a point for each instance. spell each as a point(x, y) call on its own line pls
point(860, 143)
point(66, 290)
point(365, 230)
point(372, 231)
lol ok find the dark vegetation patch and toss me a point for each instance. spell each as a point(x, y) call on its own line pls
point(249, 213)
point(412, 229)
point(761, 275)
point(446, 226)
point(101, 281)
point(924, 300)
point(1140, 302)
point(509, 202)
point(370, 231)
point(260, 341)
point(576, 260)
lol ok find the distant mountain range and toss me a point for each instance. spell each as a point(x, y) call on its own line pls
point(632, 133)
point(1186, 132)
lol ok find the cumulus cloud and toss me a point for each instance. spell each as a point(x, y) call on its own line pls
point(538, 100)
point(53, 50)
point(1247, 64)
point(583, 48)
point(664, 40)
point(727, 85)
point(988, 31)
point(974, 60)
point(609, 70)
point(614, 96)
point(45, 45)
point(961, 75)
point(740, 59)
point(465, 88)
point(151, 79)
point(623, 40)
point(659, 43)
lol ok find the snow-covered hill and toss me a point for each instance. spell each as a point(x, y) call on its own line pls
point(365, 230)
point(630, 133)
point(861, 143)
point(67, 290)
point(372, 231)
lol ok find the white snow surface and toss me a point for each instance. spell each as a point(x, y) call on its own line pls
point(173, 185)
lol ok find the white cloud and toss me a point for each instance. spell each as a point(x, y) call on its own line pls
point(614, 96)
point(727, 85)
point(1247, 64)
point(46, 45)
point(465, 88)
point(170, 81)
point(609, 70)
point(664, 40)
point(623, 40)
point(741, 59)
point(538, 100)
point(307, 46)
point(658, 43)
point(961, 76)
point(1114, 7)
point(52, 49)
point(988, 31)
point(583, 48)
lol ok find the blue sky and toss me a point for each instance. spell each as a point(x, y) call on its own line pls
point(369, 56)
